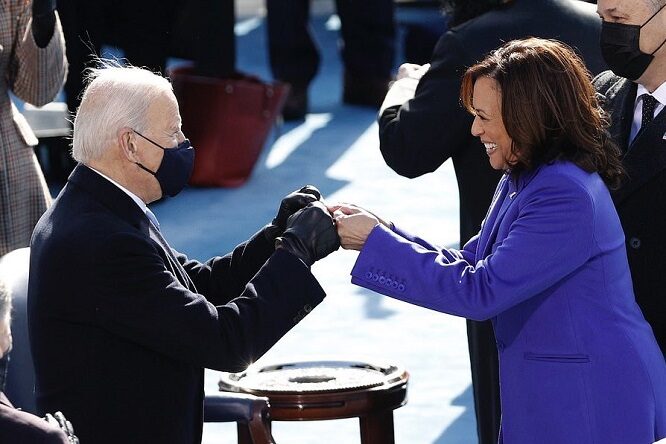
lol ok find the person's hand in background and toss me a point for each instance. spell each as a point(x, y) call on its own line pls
point(412, 71)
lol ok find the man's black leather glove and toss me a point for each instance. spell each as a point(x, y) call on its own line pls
point(289, 205)
point(310, 235)
point(43, 21)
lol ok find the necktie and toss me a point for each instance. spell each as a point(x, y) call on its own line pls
point(649, 105)
point(177, 268)
point(152, 218)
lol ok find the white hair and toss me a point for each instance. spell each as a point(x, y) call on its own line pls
point(116, 97)
point(656, 4)
point(5, 302)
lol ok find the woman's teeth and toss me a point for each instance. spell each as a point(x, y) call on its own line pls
point(490, 148)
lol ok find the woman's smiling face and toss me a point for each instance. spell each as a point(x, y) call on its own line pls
point(488, 125)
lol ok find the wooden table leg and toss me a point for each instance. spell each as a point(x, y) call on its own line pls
point(255, 432)
point(244, 436)
point(377, 428)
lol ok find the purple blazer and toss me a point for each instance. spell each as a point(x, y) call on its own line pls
point(578, 362)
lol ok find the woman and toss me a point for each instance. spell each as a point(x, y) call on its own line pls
point(578, 362)
point(33, 67)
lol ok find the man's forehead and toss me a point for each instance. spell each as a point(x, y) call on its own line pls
point(165, 109)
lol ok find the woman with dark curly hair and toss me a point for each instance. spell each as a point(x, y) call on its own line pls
point(578, 361)
point(542, 94)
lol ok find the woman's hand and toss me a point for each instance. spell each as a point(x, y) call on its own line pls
point(354, 224)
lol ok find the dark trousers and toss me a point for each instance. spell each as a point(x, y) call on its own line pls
point(368, 33)
point(485, 379)
point(148, 31)
point(83, 25)
point(203, 31)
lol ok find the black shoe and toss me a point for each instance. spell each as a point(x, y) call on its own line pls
point(296, 106)
point(364, 91)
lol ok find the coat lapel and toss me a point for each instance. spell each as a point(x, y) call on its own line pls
point(176, 268)
point(509, 198)
point(619, 104)
point(125, 208)
point(497, 209)
point(646, 156)
point(110, 196)
point(505, 198)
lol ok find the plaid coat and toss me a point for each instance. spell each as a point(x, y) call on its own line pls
point(35, 75)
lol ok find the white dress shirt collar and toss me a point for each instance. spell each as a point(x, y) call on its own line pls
point(134, 197)
point(659, 94)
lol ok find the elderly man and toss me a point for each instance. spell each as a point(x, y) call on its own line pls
point(633, 42)
point(121, 325)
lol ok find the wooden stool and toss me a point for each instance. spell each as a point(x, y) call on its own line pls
point(320, 390)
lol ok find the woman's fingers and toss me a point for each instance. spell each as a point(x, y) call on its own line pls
point(345, 208)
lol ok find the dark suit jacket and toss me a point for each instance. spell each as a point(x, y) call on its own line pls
point(122, 326)
point(17, 426)
point(641, 201)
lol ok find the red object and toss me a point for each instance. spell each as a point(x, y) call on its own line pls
point(227, 120)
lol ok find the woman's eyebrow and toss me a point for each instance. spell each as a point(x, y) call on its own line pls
point(479, 110)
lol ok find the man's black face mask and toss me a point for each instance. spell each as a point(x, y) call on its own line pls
point(176, 167)
point(620, 47)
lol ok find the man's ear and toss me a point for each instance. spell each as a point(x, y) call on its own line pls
point(127, 142)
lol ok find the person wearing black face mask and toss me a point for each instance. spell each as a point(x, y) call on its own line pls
point(620, 46)
point(176, 166)
point(633, 43)
point(141, 321)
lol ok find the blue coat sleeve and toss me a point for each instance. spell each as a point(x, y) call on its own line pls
point(550, 237)
point(467, 253)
